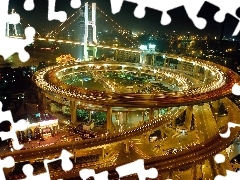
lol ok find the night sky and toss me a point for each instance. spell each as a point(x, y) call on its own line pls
point(151, 22)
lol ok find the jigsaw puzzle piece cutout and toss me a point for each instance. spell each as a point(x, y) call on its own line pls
point(140, 12)
point(226, 8)
point(212, 24)
point(6, 18)
point(116, 5)
point(236, 89)
point(66, 164)
point(192, 8)
point(164, 8)
point(13, 18)
point(220, 158)
point(234, 26)
point(60, 15)
point(229, 175)
point(28, 171)
point(75, 4)
point(52, 14)
point(87, 173)
point(137, 167)
point(7, 162)
point(29, 5)
point(10, 46)
point(18, 126)
point(227, 133)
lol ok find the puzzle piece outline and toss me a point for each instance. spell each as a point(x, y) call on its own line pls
point(166, 19)
point(192, 9)
point(7, 162)
point(220, 158)
point(66, 165)
point(18, 126)
point(11, 45)
point(52, 14)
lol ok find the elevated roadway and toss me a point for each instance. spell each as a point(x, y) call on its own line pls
point(185, 158)
point(50, 82)
point(197, 153)
point(96, 142)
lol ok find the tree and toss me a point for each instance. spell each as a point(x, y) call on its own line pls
point(82, 114)
point(99, 117)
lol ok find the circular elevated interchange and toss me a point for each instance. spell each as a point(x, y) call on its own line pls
point(185, 90)
point(218, 82)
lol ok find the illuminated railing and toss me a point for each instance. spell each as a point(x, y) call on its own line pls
point(49, 79)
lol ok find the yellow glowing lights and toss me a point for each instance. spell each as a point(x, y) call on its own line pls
point(65, 59)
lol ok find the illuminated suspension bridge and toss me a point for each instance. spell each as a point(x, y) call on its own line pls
point(88, 45)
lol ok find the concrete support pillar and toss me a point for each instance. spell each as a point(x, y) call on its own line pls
point(153, 57)
point(151, 114)
point(73, 109)
point(147, 135)
point(194, 172)
point(194, 70)
point(139, 73)
point(141, 58)
point(201, 169)
point(174, 123)
point(122, 69)
point(75, 157)
point(168, 63)
point(188, 118)
point(143, 114)
point(158, 113)
point(127, 145)
point(215, 108)
point(44, 102)
point(127, 117)
point(182, 65)
point(170, 175)
point(165, 62)
point(109, 119)
point(116, 55)
point(103, 152)
point(162, 132)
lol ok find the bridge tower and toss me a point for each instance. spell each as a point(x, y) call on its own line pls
point(88, 23)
